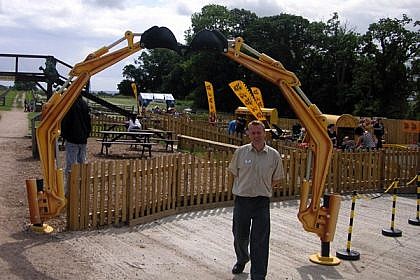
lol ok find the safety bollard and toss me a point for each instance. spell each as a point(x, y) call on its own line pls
point(348, 254)
point(416, 221)
point(393, 232)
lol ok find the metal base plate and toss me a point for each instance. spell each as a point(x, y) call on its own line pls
point(316, 258)
point(42, 229)
point(415, 222)
point(348, 255)
point(392, 232)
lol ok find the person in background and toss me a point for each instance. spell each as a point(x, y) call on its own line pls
point(256, 168)
point(75, 129)
point(231, 127)
point(332, 134)
point(240, 126)
point(378, 131)
point(347, 144)
point(134, 123)
point(296, 131)
point(365, 139)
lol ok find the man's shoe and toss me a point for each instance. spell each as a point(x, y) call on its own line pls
point(238, 268)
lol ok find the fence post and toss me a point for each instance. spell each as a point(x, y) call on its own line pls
point(177, 186)
point(381, 174)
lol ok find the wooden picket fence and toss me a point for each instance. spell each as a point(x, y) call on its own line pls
point(138, 191)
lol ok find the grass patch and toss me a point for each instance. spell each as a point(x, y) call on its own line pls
point(9, 98)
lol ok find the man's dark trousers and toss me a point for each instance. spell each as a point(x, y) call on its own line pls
point(251, 222)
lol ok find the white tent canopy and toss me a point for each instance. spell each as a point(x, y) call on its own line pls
point(158, 97)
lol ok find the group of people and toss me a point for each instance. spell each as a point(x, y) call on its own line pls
point(365, 139)
point(28, 106)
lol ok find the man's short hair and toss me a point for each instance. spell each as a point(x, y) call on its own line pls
point(256, 123)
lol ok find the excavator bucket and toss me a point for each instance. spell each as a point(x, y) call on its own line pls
point(209, 40)
point(159, 37)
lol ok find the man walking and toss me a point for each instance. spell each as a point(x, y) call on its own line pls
point(256, 168)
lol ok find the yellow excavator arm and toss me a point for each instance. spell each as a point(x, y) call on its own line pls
point(46, 197)
point(314, 217)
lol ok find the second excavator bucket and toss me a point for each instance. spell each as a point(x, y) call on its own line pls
point(210, 40)
point(159, 37)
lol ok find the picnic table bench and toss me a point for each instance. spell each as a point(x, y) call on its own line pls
point(132, 138)
point(164, 136)
point(168, 142)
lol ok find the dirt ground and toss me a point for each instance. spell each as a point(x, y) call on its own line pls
point(195, 245)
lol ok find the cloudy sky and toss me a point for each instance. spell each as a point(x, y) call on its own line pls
point(71, 29)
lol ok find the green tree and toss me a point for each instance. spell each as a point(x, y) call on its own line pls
point(382, 76)
point(22, 85)
point(213, 67)
point(151, 69)
point(124, 88)
point(327, 68)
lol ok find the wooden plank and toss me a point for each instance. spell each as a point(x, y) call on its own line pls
point(204, 181)
point(160, 181)
point(111, 170)
point(136, 191)
point(293, 173)
point(74, 196)
point(125, 186)
point(171, 185)
point(84, 212)
point(179, 166)
point(154, 186)
point(165, 183)
point(143, 187)
point(223, 176)
point(185, 179)
point(199, 181)
point(217, 188)
point(175, 176)
point(103, 193)
point(148, 186)
point(117, 183)
point(95, 194)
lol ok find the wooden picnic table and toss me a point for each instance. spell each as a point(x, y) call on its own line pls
point(165, 136)
point(141, 138)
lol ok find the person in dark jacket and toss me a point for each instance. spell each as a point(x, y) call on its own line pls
point(75, 129)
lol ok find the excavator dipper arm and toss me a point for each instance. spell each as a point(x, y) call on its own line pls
point(314, 218)
point(46, 197)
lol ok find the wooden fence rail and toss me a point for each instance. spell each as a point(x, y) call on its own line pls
point(138, 191)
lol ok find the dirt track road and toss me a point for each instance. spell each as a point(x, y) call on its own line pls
point(195, 245)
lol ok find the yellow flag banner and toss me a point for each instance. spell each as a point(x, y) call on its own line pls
point(240, 89)
point(134, 87)
point(210, 98)
point(256, 92)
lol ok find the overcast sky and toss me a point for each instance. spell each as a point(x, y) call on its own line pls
point(71, 29)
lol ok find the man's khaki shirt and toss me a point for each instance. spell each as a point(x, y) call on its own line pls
point(255, 171)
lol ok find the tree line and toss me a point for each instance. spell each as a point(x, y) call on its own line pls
point(341, 71)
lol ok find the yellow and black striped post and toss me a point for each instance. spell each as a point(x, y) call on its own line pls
point(348, 254)
point(416, 221)
point(393, 232)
